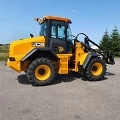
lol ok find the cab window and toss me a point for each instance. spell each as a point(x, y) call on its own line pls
point(69, 34)
point(43, 29)
point(58, 30)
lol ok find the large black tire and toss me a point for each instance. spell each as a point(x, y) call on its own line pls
point(96, 69)
point(41, 71)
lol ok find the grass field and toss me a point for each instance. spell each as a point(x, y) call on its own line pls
point(4, 52)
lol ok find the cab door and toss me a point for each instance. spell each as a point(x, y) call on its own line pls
point(58, 37)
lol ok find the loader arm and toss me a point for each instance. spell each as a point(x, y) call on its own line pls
point(106, 55)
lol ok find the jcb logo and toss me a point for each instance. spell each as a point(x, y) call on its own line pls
point(60, 48)
point(38, 44)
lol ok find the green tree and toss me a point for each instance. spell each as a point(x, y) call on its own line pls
point(115, 39)
point(105, 42)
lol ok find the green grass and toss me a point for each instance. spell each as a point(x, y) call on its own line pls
point(4, 52)
point(3, 56)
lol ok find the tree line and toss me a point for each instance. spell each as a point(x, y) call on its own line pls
point(111, 42)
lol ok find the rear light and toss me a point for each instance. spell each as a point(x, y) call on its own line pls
point(12, 58)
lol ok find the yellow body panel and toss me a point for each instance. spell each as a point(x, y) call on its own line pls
point(18, 65)
point(83, 58)
point(14, 65)
point(20, 48)
point(62, 64)
point(80, 55)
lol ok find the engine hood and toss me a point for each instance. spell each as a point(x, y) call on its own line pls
point(19, 48)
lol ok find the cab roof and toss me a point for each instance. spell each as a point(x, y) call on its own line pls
point(54, 18)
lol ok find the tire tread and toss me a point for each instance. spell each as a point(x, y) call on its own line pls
point(88, 73)
point(30, 71)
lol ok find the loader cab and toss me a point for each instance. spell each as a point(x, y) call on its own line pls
point(57, 32)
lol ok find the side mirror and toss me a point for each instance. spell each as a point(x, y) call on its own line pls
point(31, 35)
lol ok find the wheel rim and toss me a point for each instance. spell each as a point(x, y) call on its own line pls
point(96, 69)
point(42, 72)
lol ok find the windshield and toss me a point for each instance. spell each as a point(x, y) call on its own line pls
point(43, 29)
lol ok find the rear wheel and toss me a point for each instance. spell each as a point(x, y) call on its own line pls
point(41, 71)
point(96, 69)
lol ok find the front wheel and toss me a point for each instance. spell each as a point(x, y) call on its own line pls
point(96, 69)
point(41, 71)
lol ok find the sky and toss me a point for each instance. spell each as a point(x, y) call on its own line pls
point(91, 17)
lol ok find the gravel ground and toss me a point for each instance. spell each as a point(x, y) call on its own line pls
point(67, 98)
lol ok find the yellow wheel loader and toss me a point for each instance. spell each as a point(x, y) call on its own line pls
point(57, 51)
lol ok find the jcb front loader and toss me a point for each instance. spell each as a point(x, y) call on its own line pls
point(57, 51)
